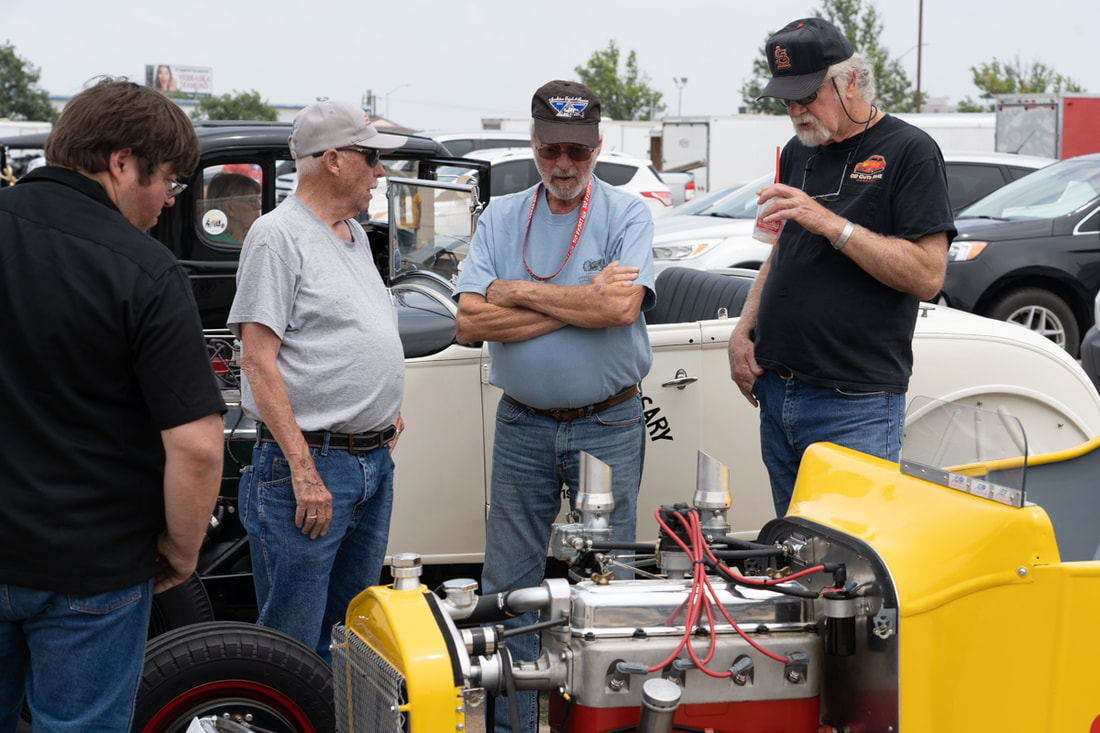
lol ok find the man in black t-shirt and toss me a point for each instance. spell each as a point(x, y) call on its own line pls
point(824, 343)
point(112, 438)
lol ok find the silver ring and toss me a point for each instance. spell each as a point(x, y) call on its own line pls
point(312, 516)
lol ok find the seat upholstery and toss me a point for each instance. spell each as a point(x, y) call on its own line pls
point(684, 295)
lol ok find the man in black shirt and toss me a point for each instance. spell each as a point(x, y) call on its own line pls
point(112, 438)
point(824, 343)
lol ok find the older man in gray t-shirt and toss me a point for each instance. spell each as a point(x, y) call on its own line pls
point(324, 374)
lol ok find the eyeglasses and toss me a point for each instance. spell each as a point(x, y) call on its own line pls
point(175, 187)
point(843, 173)
point(576, 153)
point(373, 155)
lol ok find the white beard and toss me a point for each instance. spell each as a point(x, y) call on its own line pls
point(819, 135)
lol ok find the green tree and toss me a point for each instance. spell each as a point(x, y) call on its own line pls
point(863, 27)
point(236, 106)
point(20, 97)
point(994, 78)
point(622, 97)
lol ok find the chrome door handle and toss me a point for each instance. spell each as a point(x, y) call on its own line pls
point(681, 380)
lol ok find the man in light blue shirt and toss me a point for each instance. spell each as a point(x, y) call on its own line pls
point(556, 280)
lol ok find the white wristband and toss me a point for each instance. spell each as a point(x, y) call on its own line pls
point(839, 242)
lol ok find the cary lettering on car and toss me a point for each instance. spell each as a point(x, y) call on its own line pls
point(659, 428)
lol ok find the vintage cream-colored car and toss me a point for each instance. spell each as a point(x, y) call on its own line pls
point(691, 404)
point(444, 458)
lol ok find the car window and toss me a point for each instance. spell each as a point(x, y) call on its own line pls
point(432, 225)
point(968, 182)
point(615, 174)
point(230, 200)
point(1091, 225)
point(487, 144)
point(513, 175)
point(1015, 172)
point(460, 147)
point(1054, 191)
point(737, 204)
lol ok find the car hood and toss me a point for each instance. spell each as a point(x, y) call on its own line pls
point(678, 228)
point(1000, 231)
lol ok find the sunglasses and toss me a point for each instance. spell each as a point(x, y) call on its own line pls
point(372, 155)
point(806, 101)
point(575, 153)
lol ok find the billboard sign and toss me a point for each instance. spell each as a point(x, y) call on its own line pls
point(195, 80)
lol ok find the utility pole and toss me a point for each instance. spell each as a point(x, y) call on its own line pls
point(680, 82)
point(920, 43)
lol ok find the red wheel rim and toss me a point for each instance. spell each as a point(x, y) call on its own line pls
point(253, 692)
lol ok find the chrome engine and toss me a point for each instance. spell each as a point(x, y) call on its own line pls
point(749, 644)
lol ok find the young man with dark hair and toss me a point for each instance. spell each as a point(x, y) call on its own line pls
point(112, 446)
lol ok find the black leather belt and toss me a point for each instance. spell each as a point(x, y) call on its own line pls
point(565, 414)
point(357, 443)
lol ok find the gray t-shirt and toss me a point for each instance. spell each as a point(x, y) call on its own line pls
point(341, 356)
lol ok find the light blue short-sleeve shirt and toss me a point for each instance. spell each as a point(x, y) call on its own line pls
point(572, 366)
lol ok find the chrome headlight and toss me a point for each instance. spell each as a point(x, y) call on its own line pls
point(965, 250)
point(680, 251)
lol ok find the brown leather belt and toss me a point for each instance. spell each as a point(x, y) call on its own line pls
point(352, 443)
point(565, 414)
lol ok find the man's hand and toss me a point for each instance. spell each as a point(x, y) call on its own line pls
point(173, 564)
point(917, 267)
point(521, 293)
point(400, 425)
point(795, 204)
point(615, 274)
point(743, 367)
point(314, 512)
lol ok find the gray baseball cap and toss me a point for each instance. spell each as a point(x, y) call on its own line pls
point(331, 123)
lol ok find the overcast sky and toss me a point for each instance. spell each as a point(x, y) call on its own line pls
point(446, 64)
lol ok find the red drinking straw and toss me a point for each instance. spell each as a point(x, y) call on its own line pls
point(777, 164)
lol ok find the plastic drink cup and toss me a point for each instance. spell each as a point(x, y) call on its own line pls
point(767, 231)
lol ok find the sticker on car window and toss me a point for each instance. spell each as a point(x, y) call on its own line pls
point(214, 222)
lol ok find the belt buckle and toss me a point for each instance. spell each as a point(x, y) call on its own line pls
point(351, 446)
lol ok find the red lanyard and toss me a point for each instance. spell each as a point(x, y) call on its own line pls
point(581, 217)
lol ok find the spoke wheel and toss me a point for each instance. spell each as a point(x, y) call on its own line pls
point(1043, 312)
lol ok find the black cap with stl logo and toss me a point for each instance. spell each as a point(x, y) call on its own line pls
point(800, 55)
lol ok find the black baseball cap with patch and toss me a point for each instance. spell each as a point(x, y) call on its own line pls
point(566, 112)
point(800, 55)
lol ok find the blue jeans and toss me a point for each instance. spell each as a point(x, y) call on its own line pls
point(303, 586)
point(533, 456)
point(794, 414)
point(76, 656)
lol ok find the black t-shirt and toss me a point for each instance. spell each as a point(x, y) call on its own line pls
point(821, 315)
point(101, 349)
